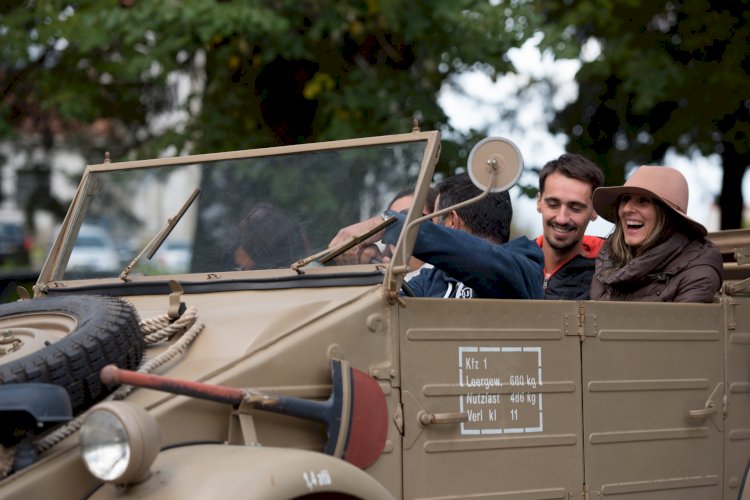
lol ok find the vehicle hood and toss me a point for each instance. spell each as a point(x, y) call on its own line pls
point(241, 325)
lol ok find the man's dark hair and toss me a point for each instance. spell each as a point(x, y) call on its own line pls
point(574, 166)
point(488, 218)
point(271, 237)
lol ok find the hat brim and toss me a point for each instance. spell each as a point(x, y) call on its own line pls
point(605, 204)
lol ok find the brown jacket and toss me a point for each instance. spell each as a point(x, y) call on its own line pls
point(678, 270)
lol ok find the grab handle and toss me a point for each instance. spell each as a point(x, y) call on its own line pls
point(442, 418)
point(706, 412)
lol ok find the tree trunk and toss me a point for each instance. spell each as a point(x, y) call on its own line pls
point(731, 201)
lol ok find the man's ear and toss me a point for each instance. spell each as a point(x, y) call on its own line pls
point(594, 215)
point(458, 222)
point(539, 202)
point(448, 219)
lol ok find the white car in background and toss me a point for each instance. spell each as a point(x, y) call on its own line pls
point(94, 250)
point(175, 256)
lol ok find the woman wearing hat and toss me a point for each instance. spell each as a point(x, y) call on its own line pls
point(656, 253)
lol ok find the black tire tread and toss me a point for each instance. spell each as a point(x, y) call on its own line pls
point(108, 332)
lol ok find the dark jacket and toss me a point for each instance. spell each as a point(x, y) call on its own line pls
point(572, 280)
point(433, 282)
point(677, 270)
point(513, 270)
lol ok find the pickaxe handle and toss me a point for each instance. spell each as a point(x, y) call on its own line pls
point(111, 375)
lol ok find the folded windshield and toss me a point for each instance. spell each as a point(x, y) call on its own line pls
point(256, 212)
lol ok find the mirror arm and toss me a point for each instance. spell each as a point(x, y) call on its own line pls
point(499, 158)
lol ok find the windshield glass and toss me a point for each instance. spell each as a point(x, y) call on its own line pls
point(252, 213)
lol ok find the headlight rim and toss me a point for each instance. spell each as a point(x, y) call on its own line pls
point(141, 437)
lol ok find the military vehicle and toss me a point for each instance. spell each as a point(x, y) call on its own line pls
point(268, 369)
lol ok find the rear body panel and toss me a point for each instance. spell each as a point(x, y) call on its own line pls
point(737, 424)
point(643, 372)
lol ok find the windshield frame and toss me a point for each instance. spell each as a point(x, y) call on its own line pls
point(51, 275)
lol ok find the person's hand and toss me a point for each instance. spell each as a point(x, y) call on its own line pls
point(363, 253)
point(371, 254)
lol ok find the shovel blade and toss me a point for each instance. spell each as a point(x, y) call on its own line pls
point(368, 423)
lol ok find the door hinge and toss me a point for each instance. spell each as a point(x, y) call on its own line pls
point(398, 418)
point(725, 406)
point(581, 322)
point(731, 323)
point(585, 492)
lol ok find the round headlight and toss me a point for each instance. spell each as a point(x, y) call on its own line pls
point(119, 442)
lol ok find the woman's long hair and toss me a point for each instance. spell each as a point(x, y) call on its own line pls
point(666, 225)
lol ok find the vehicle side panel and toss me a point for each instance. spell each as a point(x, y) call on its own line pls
point(513, 368)
point(645, 367)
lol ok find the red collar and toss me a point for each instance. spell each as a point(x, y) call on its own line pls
point(590, 247)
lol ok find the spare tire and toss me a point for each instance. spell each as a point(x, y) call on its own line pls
point(66, 341)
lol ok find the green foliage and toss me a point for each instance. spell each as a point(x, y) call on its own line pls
point(264, 73)
point(671, 74)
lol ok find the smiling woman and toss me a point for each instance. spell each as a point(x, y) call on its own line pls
point(656, 253)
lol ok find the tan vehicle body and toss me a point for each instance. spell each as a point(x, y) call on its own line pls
point(486, 398)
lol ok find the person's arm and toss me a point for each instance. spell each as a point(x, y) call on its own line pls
point(512, 270)
point(598, 291)
point(700, 285)
point(364, 252)
point(700, 281)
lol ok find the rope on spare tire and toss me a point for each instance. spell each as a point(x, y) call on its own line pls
point(154, 330)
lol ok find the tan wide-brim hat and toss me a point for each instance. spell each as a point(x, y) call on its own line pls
point(662, 183)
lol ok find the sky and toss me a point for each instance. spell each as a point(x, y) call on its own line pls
point(480, 102)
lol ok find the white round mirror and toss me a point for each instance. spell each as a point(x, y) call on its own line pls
point(500, 155)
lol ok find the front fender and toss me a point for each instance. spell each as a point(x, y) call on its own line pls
point(227, 471)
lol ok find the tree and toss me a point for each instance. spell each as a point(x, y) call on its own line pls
point(260, 72)
point(669, 74)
